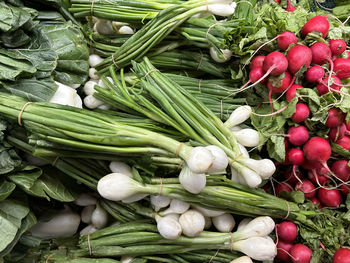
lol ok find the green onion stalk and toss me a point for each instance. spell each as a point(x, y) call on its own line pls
point(138, 239)
point(153, 33)
point(93, 131)
point(166, 102)
point(119, 10)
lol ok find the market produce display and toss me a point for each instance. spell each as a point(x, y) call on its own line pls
point(174, 131)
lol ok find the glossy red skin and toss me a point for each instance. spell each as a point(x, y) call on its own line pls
point(301, 113)
point(321, 53)
point(317, 23)
point(255, 74)
point(347, 124)
point(344, 142)
point(335, 118)
point(278, 59)
point(341, 170)
point(315, 201)
point(329, 197)
point(322, 171)
point(278, 1)
point(321, 179)
point(337, 133)
point(298, 135)
point(323, 89)
point(310, 165)
point(281, 254)
point(342, 255)
point(296, 156)
point(345, 189)
point(337, 46)
point(300, 253)
point(287, 231)
point(291, 92)
point(284, 84)
point(257, 62)
point(317, 149)
point(290, 8)
point(298, 56)
point(314, 74)
point(285, 39)
point(289, 176)
point(306, 187)
point(342, 68)
point(282, 187)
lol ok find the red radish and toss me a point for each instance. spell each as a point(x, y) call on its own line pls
point(341, 169)
point(317, 23)
point(334, 83)
point(337, 46)
point(257, 62)
point(335, 118)
point(329, 197)
point(290, 8)
point(322, 171)
point(298, 135)
point(300, 253)
point(344, 142)
point(342, 68)
point(347, 124)
point(317, 149)
point(298, 56)
point(285, 39)
point(318, 179)
point(275, 63)
point(306, 187)
point(345, 189)
point(311, 165)
point(280, 83)
point(255, 75)
point(301, 113)
point(296, 156)
point(293, 178)
point(337, 133)
point(291, 92)
point(283, 249)
point(342, 255)
point(321, 53)
point(278, 1)
point(314, 74)
point(283, 187)
point(315, 201)
point(287, 231)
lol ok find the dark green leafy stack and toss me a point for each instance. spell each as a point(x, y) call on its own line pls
point(33, 53)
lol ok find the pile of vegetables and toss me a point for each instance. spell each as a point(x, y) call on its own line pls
point(174, 131)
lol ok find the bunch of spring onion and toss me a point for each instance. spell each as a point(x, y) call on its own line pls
point(156, 30)
point(216, 94)
point(166, 102)
point(143, 239)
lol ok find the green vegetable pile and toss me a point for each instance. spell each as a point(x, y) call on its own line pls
point(126, 135)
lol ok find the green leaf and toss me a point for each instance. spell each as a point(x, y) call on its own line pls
point(310, 97)
point(294, 196)
point(340, 150)
point(276, 148)
point(32, 89)
point(12, 18)
point(11, 214)
point(27, 223)
point(34, 182)
point(6, 189)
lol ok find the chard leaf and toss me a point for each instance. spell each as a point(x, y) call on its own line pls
point(11, 214)
point(34, 182)
point(12, 18)
point(27, 223)
point(6, 189)
point(32, 89)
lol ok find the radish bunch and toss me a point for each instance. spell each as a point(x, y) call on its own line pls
point(287, 251)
